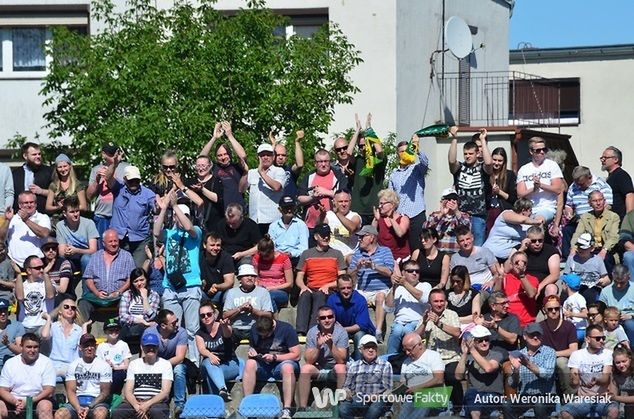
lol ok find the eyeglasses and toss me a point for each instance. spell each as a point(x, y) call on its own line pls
point(537, 241)
point(480, 340)
point(38, 268)
point(69, 307)
point(50, 249)
point(597, 338)
point(169, 167)
point(383, 203)
point(340, 149)
point(412, 271)
point(412, 348)
point(202, 166)
point(606, 157)
point(521, 261)
point(206, 315)
point(322, 161)
point(593, 315)
point(502, 303)
point(328, 317)
point(540, 150)
point(553, 309)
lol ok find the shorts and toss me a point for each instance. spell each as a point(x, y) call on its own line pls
point(73, 412)
point(274, 370)
point(578, 410)
point(370, 296)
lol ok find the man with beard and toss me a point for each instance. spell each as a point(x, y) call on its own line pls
point(88, 383)
point(233, 175)
point(265, 189)
point(98, 187)
point(292, 172)
point(32, 176)
point(619, 180)
point(29, 374)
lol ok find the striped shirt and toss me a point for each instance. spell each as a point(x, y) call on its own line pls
point(148, 379)
point(577, 198)
point(367, 278)
point(409, 183)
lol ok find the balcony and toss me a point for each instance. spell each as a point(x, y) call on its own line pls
point(511, 99)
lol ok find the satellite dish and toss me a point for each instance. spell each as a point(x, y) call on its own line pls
point(458, 36)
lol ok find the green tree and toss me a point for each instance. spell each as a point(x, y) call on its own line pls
point(155, 79)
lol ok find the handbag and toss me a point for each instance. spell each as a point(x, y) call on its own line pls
point(176, 278)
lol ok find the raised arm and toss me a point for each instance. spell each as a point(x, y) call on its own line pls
point(299, 153)
point(452, 156)
point(237, 147)
point(216, 134)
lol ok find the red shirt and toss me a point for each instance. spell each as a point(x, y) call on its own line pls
point(520, 304)
point(271, 272)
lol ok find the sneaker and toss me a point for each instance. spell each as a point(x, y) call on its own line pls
point(226, 396)
point(379, 337)
point(286, 413)
point(177, 411)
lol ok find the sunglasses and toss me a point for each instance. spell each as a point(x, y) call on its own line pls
point(537, 241)
point(593, 315)
point(328, 317)
point(540, 150)
point(69, 307)
point(553, 309)
point(169, 166)
point(340, 149)
point(480, 340)
point(598, 338)
point(206, 315)
point(39, 267)
point(412, 271)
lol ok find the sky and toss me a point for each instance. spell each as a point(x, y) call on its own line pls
point(571, 23)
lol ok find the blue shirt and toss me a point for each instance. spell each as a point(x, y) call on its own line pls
point(131, 212)
point(292, 240)
point(577, 198)
point(621, 299)
point(367, 278)
point(64, 349)
point(409, 184)
point(14, 329)
point(167, 348)
point(189, 257)
point(544, 382)
point(354, 311)
point(112, 278)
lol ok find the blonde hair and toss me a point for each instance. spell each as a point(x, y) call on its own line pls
point(389, 195)
point(160, 179)
point(56, 183)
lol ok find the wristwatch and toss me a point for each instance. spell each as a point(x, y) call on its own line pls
point(185, 189)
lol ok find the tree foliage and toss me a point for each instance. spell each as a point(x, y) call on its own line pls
point(160, 79)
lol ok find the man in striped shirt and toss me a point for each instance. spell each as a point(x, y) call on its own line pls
point(147, 385)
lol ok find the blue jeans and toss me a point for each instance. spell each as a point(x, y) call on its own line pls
point(185, 305)
point(396, 335)
point(628, 260)
point(479, 229)
point(217, 374)
point(180, 384)
point(356, 354)
point(348, 409)
point(628, 325)
point(102, 223)
point(279, 298)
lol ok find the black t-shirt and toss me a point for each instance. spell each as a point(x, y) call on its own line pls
point(212, 273)
point(469, 182)
point(230, 176)
point(283, 338)
point(430, 270)
point(621, 184)
point(218, 345)
point(208, 215)
point(245, 237)
point(538, 262)
point(462, 306)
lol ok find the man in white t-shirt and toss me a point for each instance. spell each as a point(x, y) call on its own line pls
point(27, 375)
point(343, 223)
point(148, 384)
point(423, 368)
point(590, 372)
point(35, 294)
point(88, 382)
point(27, 230)
point(266, 188)
point(540, 180)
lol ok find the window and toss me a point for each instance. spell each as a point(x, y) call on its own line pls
point(545, 101)
point(28, 49)
point(306, 25)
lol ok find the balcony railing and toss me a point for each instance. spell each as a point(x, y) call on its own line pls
point(510, 99)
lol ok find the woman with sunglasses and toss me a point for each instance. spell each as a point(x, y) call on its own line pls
point(169, 178)
point(64, 334)
point(461, 298)
point(214, 343)
point(59, 270)
point(138, 306)
point(434, 263)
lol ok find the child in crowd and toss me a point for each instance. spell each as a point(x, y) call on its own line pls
point(116, 353)
point(574, 307)
point(614, 332)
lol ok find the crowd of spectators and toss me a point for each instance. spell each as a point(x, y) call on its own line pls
point(195, 266)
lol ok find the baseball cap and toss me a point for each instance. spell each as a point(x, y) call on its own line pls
point(131, 172)
point(448, 193)
point(111, 324)
point(367, 229)
point(572, 280)
point(110, 148)
point(149, 339)
point(246, 269)
point(50, 242)
point(365, 339)
point(322, 229)
point(480, 331)
point(533, 328)
point(4, 304)
point(287, 201)
point(263, 148)
point(184, 208)
point(584, 241)
point(87, 340)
